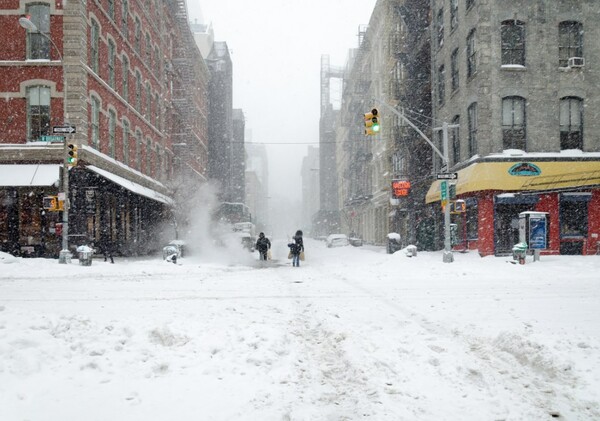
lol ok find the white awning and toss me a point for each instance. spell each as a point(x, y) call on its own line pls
point(25, 175)
point(131, 186)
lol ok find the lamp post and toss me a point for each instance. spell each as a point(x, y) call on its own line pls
point(65, 255)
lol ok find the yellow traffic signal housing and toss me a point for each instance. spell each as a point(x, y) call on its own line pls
point(72, 154)
point(52, 204)
point(372, 122)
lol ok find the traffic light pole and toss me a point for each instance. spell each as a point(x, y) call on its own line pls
point(448, 256)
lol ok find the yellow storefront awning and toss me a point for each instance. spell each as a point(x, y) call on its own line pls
point(522, 176)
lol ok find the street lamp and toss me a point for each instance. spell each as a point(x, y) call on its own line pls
point(65, 255)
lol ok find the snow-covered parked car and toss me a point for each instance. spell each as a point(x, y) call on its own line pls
point(337, 240)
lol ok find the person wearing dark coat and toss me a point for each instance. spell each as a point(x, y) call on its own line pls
point(263, 245)
point(296, 248)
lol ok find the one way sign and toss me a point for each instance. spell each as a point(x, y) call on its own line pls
point(448, 176)
point(63, 129)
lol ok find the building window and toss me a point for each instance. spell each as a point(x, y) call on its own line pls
point(441, 84)
point(456, 140)
point(126, 142)
point(38, 112)
point(470, 3)
point(138, 150)
point(148, 157)
point(95, 123)
point(472, 115)
point(157, 111)
point(148, 50)
point(111, 9)
point(112, 52)
point(148, 102)
point(125, 19)
point(125, 79)
point(570, 41)
point(514, 133)
point(440, 27)
point(471, 54)
point(513, 42)
point(157, 61)
point(38, 44)
point(571, 123)
point(94, 45)
point(454, 70)
point(138, 36)
point(112, 129)
point(138, 91)
point(453, 14)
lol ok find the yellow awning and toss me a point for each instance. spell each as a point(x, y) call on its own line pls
point(522, 176)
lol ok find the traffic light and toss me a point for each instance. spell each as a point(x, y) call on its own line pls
point(72, 154)
point(372, 122)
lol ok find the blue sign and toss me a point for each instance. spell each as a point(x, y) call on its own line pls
point(525, 169)
point(537, 232)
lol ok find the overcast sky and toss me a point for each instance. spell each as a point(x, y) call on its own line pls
point(276, 50)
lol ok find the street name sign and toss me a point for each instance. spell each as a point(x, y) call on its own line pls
point(63, 129)
point(50, 138)
point(448, 176)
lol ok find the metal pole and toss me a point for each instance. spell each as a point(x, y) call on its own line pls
point(64, 255)
point(448, 256)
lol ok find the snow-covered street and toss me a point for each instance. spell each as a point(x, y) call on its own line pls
point(352, 334)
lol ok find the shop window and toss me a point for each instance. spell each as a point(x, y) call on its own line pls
point(38, 43)
point(38, 112)
point(571, 123)
point(513, 42)
point(574, 215)
point(514, 129)
point(472, 220)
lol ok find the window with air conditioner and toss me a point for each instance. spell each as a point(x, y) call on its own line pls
point(570, 44)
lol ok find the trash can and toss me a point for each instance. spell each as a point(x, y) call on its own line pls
point(520, 252)
point(394, 244)
point(85, 254)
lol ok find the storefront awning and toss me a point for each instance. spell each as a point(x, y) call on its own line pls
point(132, 186)
point(28, 175)
point(523, 175)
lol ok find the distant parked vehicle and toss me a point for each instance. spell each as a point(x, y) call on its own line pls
point(355, 241)
point(337, 240)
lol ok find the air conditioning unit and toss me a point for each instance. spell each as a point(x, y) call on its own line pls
point(576, 62)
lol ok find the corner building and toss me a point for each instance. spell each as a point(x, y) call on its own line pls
point(120, 72)
point(518, 79)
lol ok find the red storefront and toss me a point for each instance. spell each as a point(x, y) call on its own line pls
point(497, 189)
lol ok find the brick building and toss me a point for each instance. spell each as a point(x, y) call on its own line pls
point(135, 88)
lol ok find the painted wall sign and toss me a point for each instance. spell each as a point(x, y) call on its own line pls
point(525, 169)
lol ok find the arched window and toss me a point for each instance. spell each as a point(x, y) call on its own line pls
point(112, 131)
point(126, 142)
point(571, 123)
point(95, 47)
point(38, 112)
point(514, 128)
point(513, 42)
point(95, 123)
point(38, 44)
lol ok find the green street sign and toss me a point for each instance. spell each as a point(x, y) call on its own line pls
point(444, 190)
point(50, 138)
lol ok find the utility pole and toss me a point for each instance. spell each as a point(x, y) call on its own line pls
point(448, 256)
